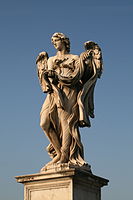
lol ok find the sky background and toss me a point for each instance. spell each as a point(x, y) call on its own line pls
point(26, 28)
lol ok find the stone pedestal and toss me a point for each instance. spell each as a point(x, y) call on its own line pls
point(62, 183)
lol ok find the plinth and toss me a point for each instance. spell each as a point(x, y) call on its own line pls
point(62, 183)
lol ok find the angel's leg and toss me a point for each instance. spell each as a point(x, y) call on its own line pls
point(50, 133)
point(66, 136)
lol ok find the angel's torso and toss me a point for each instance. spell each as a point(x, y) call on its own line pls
point(63, 65)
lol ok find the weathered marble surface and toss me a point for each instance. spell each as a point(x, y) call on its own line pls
point(63, 182)
point(69, 81)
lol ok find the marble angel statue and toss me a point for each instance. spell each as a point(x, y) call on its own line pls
point(69, 81)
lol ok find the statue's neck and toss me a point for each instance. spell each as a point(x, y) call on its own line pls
point(61, 53)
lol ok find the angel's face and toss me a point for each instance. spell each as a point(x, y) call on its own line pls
point(58, 44)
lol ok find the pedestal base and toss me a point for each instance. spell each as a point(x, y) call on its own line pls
point(62, 183)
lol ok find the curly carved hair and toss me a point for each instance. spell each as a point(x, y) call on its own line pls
point(63, 38)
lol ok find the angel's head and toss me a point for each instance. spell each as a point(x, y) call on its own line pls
point(60, 40)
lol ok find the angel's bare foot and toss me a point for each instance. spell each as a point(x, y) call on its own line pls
point(55, 160)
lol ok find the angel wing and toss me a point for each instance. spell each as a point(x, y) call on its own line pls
point(42, 69)
point(92, 63)
point(95, 55)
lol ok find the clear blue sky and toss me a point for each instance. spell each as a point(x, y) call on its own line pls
point(25, 30)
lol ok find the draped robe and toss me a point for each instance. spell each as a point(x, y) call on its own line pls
point(70, 102)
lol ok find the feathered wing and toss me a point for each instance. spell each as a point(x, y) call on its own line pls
point(42, 67)
point(92, 62)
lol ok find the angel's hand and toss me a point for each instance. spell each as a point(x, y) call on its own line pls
point(51, 73)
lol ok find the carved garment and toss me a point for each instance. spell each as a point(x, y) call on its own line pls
point(70, 102)
point(62, 109)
